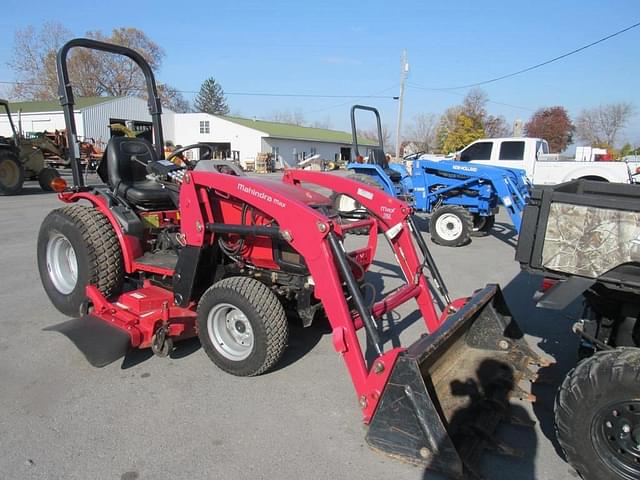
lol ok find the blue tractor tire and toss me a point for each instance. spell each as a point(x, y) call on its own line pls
point(482, 225)
point(451, 226)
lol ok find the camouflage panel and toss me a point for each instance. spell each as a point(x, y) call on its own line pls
point(589, 241)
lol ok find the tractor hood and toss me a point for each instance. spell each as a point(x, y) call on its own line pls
point(265, 186)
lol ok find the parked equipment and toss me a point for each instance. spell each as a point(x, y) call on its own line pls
point(163, 253)
point(21, 160)
point(462, 199)
point(583, 237)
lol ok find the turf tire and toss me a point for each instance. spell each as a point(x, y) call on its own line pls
point(264, 312)
point(97, 252)
point(11, 174)
point(462, 220)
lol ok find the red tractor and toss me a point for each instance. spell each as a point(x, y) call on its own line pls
point(160, 253)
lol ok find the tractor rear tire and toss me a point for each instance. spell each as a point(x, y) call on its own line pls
point(77, 246)
point(482, 225)
point(344, 203)
point(451, 226)
point(11, 174)
point(46, 176)
point(242, 326)
point(597, 415)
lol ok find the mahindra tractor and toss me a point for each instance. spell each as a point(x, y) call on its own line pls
point(158, 253)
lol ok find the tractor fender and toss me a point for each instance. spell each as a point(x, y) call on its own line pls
point(130, 245)
point(376, 172)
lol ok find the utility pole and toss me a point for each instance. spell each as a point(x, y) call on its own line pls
point(404, 71)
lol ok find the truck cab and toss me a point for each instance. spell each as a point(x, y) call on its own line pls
point(532, 156)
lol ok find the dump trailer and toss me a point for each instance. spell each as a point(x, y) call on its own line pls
point(583, 237)
point(221, 256)
point(462, 199)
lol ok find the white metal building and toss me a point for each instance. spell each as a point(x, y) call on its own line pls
point(93, 116)
point(243, 138)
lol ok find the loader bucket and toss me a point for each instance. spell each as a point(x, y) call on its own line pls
point(448, 391)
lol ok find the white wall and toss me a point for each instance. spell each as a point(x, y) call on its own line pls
point(286, 149)
point(38, 122)
point(243, 139)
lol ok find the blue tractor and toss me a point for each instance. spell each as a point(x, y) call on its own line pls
point(462, 199)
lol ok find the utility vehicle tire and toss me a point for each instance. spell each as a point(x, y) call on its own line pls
point(482, 225)
point(597, 415)
point(77, 246)
point(451, 226)
point(11, 174)
point(344, 203)
point(45, 176)
point(242, 326)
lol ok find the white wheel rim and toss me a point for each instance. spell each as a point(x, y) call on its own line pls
point(62, 263)
point(230, 331)
point(449, 226)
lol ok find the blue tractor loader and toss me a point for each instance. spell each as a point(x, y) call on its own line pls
point(462, 199)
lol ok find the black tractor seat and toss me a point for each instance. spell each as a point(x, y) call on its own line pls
point(125, 161)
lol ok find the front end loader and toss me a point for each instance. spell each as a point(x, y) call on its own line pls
point(163, 253)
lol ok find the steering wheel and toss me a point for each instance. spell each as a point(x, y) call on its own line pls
point(190, 164)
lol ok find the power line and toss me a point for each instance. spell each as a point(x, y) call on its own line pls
point(538, 65)
point(251, 94)
point(331, 107)
point(519, 107)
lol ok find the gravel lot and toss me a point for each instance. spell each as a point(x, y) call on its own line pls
point(181, 418)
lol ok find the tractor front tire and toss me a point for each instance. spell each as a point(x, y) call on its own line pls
point(46, 176)
point(482, 225)
point(597, 415)
point(242, 326)
point(11, 174)
point(77, 246)
point(451, 226)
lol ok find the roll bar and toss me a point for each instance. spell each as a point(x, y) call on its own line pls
point(354, 132)
point(65, 92)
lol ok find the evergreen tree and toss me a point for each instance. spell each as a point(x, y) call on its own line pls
point(211, 98)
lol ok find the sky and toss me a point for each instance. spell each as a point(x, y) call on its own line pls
point(353, 48)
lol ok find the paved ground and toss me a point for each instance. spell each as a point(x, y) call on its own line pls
point(181, 418)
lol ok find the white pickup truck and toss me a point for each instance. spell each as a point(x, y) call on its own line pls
point(532, 155)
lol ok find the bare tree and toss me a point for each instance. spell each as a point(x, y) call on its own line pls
point(601, 125)
point(422, 132)
point(373, 135)
point(92, 73)
point(295, 117)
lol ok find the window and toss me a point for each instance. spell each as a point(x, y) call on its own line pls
point(512, 151)
point(542, 148)
point(204, 126)
point(477, 151)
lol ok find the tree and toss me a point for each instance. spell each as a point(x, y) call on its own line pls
point(422, 132)
point(211, 99)
point(373, 135)
point(468, 120)
point(91, 72)
point(554, 125)
point(601, 125)
point(462, 132)
point(295, 117)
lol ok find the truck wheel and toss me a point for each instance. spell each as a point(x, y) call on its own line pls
point(242, 326)
point(77, 246)
point(11, 174)
point(345, 204)
point(451, 226)
point(597, 415)
point(482, 225)
point(45, 176)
